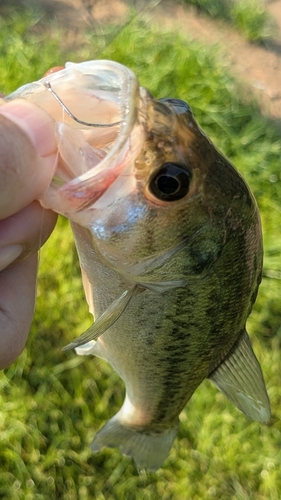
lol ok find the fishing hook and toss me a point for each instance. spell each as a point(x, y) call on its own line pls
point(49, 88)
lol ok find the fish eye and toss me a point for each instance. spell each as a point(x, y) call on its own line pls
point(170, 183)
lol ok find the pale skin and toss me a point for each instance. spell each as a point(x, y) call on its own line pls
point(28, 155)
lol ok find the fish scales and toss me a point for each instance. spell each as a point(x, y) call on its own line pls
point(169, 240)
point(150, 326)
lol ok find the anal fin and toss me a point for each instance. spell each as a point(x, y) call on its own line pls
point(240, 378)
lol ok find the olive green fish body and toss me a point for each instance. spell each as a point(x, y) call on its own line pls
point(165, 344)
point(169, 240)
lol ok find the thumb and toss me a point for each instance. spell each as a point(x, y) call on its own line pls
point(28, 154)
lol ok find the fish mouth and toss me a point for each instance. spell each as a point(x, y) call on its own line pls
point(99, 115)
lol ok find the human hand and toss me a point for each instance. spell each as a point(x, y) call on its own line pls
point(27, 163)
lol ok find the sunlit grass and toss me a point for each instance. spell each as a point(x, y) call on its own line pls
point(250, 17)
point(25, 54)
point(52, 402)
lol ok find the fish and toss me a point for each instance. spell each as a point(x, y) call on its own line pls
point(169, 241)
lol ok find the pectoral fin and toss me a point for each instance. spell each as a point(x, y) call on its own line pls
point(240, 378)
point(107, 319)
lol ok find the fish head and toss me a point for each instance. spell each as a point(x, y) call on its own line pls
point(169, 213)
point(159, 200)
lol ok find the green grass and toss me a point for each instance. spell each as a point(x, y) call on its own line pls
point(250, 17)
point(52, 402)
point(25, 51)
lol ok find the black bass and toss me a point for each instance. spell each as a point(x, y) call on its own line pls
point(169, 240)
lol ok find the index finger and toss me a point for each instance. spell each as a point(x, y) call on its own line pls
point(28, 154)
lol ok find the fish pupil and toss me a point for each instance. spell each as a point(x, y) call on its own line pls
point(167, 184)
point(170, 183)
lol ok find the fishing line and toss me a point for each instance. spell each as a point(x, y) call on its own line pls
point(141, 7)
point(146, 6)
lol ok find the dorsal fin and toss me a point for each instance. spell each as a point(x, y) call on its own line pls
point(240, 378)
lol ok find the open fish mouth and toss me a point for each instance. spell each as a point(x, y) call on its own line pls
point(99, 127)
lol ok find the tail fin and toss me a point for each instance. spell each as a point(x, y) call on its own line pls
point(148, 450)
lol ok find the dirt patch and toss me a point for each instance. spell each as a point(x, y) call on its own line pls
point(258, 66)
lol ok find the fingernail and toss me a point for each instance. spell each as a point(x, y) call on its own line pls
point(9, 254)
point(35, 121)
